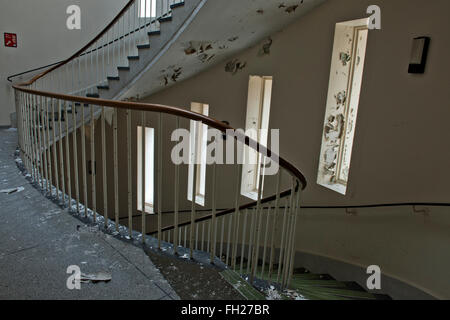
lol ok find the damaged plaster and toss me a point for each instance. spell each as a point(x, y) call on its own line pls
point(234, 66)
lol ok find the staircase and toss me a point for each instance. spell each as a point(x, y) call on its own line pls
point(96, 178)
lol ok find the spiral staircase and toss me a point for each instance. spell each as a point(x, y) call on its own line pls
point(61, 110)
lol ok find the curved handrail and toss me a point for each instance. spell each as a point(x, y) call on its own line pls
point(140, 106)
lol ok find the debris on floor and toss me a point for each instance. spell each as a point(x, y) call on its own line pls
point(12, 190)
point(96, 277)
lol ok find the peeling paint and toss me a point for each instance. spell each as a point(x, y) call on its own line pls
point(291, 9)
point(345, 58)
point(265, 50)
point(234, 66)
point(172, 74)
point(232, 39)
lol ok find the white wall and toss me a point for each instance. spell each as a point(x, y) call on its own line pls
point(43, 37)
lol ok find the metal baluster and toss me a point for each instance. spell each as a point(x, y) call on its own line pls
point(274, 223)
point(258, 224)
point(160, 128)
point(176, 196)
point(130, 192)
point(69, 184)
point(191, 238)
point(55, 161)
point(83, 160)
point(230, 223)
point(265, 241)
point(48, 148)
point(221, 237)
point(61, 154)
point(294, 225)
point(143, 128)
point(44, 134)
point(203, 236)
point(214, 219)
point(75, 155)
point(39, 144)
point(280, 259)
point(116, 172)
point(237, 214)
point(105, 185)
point(250, 241)
point(93, 166)
point(244, 231)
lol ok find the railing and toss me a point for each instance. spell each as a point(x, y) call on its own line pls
point(56, 121)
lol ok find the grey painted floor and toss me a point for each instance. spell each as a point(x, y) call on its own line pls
point(39, 240)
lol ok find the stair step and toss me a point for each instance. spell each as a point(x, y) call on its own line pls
point(133, 57)
point(123, 68)
point(176, 5)
point(143, 46)
point(93, 95)
point(113, 78)
point(165, 19)
point(154, 33)
point(104, 87)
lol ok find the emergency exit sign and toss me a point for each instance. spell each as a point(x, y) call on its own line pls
point(10, 40)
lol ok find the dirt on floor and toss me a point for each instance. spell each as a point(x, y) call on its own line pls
point(192, 280)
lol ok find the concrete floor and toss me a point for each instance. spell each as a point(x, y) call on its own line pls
point(39, 240)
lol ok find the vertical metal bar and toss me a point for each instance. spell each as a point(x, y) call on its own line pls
point(244, 231)
point(48, 148)
point(69, 184)
point(55, 161)
point(287, 242)
point(237, 214)
point(116, 172)
point(208, 236)
point(258, 224)
point(143, 128)
point(250, 241)
point(221, 236)
point(39, 143)
point(230, 224)
point(34, 140)
point(83, 161)
point(105, 185)
point(176, 196)
point(130, 192)
point(294, 225)
point(44, 143)
point(274, 224)
point(61, 154)
point(160, 128)
point(75, 155)
point(214, 220)
point(196, 236)
point(266, 233)
point(203, 236)
point(191, 238)
point(280, 259)
point(93, 166)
